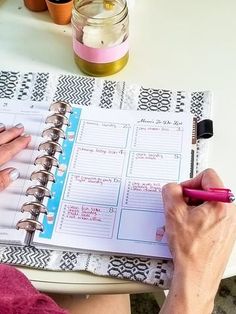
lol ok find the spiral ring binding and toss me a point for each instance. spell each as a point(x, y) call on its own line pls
point(61, 107)
point(47, 161)
point(54, 134)
point(43, 176)
point(35, 208)
point(57, 119)
point(38, 191)
point(50, 147)
point(29, 225)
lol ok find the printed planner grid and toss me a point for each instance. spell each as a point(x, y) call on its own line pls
point(142, 200)
point(116, 202)
point(77, 215)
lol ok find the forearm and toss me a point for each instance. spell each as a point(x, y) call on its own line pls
point(186, 296)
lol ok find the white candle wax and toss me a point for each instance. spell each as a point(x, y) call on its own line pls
point(107, 35)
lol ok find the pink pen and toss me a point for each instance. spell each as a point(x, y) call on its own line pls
point(213, 194)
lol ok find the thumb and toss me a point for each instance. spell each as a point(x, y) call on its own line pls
point(7, 176)
point(173, 200)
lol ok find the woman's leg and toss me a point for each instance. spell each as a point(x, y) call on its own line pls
point(94, 304)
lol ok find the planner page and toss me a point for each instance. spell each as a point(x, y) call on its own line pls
point(32, 115)
point(107, 195)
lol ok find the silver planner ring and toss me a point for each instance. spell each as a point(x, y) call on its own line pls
point(46, 162)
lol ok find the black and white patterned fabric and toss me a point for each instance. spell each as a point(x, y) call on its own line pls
point(40, 86)
point(154, 99)
point(106, 94)
point(8, 84)
point(26, 256)
point(26, 86)
point(77, 90)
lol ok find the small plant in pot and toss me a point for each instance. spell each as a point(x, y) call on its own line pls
point(36, 5)
point(60, 10)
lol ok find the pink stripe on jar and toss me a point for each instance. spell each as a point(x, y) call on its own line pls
point(100, 55)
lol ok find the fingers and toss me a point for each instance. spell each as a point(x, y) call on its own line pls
point(205, 180)
point(2, 127)
point(10, 134)
point(11, 142)
point(8, 150)
point(7, 176)
point(174, 203)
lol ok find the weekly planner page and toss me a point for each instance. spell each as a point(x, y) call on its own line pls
point(107, 195)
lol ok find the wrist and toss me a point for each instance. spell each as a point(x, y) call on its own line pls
point(201, 278)
point(189, 294)
point(193, 292)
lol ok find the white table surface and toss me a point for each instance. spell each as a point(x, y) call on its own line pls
point(185, 44)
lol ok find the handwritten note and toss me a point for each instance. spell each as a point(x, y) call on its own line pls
point(154, 165)
point(166, 139)
point(103, 133)
point(98, 160)
point(93, 189)
point(143, 195)
point(86, 220)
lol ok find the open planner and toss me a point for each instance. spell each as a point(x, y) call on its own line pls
point(91, 179)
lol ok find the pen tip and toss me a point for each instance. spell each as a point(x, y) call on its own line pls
point(231, 198)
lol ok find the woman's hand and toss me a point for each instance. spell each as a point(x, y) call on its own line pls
point(12, 141)
point(200, 239)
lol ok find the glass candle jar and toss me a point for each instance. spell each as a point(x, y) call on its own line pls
point(100, 36)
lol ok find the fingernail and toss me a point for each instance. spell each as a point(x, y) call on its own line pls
point(19, 126)
point(2, 126)
point(14, 174)
point(25, 135)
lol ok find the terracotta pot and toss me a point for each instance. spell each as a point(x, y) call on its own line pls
point(36, 5)
point(60, 12)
